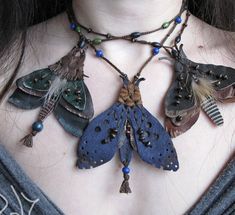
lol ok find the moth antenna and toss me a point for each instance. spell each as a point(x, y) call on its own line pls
point(166, 58)
point(86, 76)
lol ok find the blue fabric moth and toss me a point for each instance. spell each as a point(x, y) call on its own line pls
point(126, 127)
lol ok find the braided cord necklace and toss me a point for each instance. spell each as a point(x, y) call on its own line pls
point(126, 126)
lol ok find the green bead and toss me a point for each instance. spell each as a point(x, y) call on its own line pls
point(78, 29)
point(96, 41)
point(165, 25)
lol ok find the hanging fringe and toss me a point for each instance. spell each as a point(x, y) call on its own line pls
point(28, 139)
point(125, 187)
point(211, 109)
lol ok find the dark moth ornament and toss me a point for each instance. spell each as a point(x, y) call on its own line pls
point(60, 89)
point(126, 127)
point(196, 86)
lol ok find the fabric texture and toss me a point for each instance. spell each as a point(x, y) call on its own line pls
point(18, 193)
point(219, 199)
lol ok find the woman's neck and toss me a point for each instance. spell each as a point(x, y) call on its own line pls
point(120, 17)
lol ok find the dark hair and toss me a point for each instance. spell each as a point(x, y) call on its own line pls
point(17, 15)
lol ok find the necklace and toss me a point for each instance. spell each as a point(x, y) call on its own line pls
point(126, 126)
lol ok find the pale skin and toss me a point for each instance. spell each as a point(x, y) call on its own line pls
point(202, 151)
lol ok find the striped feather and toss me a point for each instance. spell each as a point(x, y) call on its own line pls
point(211, 109)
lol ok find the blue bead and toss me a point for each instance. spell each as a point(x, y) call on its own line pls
point(178, 20)
point(156, 51)
point(125, 170)
point(73, 26)
point(99, 53)
point(37, 126)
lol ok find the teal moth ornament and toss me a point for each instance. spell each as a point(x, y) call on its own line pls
point(60, 89)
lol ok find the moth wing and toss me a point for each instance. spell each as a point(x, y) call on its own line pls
point(223, 78)
point(31, 89)
point(75, 108)
point(154, 144)
point(182, 108)
point(36, 83)
point(24, 101)
point(99, 141)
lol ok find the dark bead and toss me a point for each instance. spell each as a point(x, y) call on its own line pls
point(35, 80)
point(133, 40)
point(82, 43)
point(156, 44)
point(210, 72)
point(179, 89)
point(135, 34)
point(189, 96)
point(140, 131)
point(105, 141)
point(108, 36)
point(37, 126)
point(178, 20)
point(197, 67)
point(78, 92)
point(174, 53)
point(126, 170)
point(179, 118)
point(148, 144)
point(68, 90)
point(225, 77)
point(178, 39)
point(142, 137)
point(113, 133)
point(177, 102)
point(89, 30)
point(178, 96)
point(78, 99)
point(218, 83)
point(180, 77)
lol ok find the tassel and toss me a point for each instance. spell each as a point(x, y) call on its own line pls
point(125, 187)
point(28, 139)
point(37, 126)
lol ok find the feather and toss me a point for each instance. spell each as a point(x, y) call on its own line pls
point(57, 87)
point(203, 88)
point(211, 109)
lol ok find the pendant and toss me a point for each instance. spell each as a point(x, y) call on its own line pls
point(60, 89)
point(196, 86)
point(126, 127)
